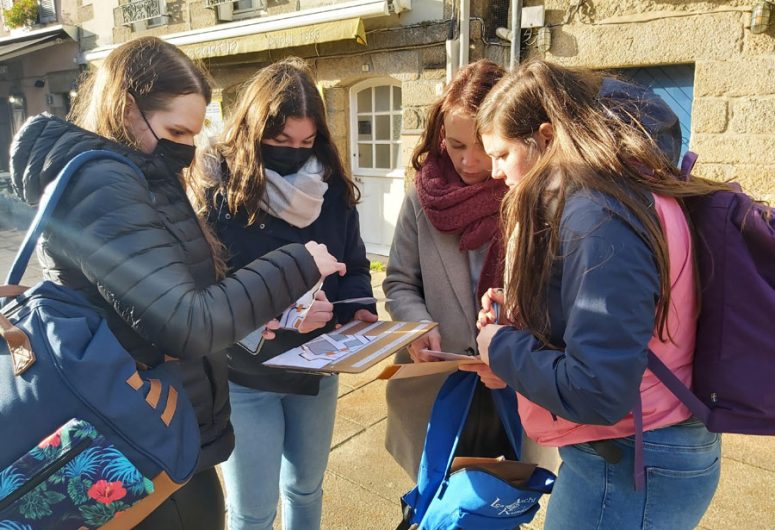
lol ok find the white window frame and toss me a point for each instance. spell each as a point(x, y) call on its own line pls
point(156, 22)
point(52, 15)
point(397, 172)
point(259, 7)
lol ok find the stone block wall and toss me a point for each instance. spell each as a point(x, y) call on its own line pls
point(420, 71)
point(733, 114)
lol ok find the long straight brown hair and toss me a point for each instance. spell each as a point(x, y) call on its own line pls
point(285, 89)
point(592, 148)
point(464, 93)
point(153, 71)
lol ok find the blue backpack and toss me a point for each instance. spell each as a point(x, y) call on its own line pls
point(483, 494)
point(86, 436)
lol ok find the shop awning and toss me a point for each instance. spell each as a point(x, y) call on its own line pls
point(338, 21)
point(348, 29)
point(11, 47)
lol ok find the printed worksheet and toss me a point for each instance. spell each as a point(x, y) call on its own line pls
point(353, 347)
point(292, 318)
point(333, 346)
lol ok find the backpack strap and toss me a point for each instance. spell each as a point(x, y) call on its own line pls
point(681, 391)
point(49, 202)
point(687, 164)
point(505, 400)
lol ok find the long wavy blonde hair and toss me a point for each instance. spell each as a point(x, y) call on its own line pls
point(592, 148)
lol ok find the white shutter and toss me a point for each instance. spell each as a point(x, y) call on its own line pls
point(47, 11)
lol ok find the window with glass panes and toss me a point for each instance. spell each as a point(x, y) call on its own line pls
point(378, 122)
point(247, 5)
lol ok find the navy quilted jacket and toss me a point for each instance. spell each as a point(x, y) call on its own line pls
point(134, 248)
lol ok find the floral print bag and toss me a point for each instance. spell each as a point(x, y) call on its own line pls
point(74, 478)
point(89, 441)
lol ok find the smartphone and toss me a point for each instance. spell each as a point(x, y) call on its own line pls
point(447, 356)
point(253, 342)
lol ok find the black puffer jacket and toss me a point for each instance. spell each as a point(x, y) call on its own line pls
point(134, 248)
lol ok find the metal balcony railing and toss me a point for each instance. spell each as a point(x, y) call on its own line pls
point(216, 3)
point(140, 10)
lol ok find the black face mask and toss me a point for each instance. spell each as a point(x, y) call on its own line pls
point(284, 160)
point(176, 156)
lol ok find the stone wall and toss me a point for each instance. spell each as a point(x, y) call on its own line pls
point(421, 74)
point(733, 116)
point(414, 56)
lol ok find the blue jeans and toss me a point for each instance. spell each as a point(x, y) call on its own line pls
point(682, 471)
point(282, 441)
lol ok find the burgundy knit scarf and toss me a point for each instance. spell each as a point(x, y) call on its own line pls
point(472, 211)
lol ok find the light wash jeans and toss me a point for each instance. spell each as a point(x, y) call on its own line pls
point(282, 441)
point(682, 471)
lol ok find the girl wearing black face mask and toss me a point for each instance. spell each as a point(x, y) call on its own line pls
point(177, 156)
point(133, 247)
point(275, 177)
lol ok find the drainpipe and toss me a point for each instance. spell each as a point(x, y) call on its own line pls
point(516, 33)
point(452, 46)
point(465, 37)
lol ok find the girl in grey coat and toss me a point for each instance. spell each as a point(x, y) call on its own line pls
point(446, 252)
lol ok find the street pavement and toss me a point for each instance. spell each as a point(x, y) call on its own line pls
point(363, 484)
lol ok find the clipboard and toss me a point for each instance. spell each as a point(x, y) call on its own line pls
point(405, 371)
point(353, 348)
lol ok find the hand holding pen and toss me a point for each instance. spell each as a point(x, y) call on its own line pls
point(492, 304)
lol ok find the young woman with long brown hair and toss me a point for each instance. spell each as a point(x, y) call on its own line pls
point(446, 252)
point(599, 271)
point(275, 177)
point(133, 246)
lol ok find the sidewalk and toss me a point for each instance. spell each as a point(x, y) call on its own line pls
point(363, 484)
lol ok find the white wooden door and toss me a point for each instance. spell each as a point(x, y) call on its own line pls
point(375, 147)
point(381, 199)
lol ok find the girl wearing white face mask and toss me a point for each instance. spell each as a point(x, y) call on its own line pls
point(275, 177)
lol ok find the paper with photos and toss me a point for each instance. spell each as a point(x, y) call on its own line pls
point(292, 318)
point(353, 347)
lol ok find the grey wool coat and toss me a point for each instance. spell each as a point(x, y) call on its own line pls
point(428, 278)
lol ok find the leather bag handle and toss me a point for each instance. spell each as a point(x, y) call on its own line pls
point(18, 345)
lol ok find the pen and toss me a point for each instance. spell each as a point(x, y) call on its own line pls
point(362, 300)
point(496, 307)
point(497, 310)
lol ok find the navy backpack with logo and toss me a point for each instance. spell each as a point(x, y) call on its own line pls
point(472, 493)
point(87, 441)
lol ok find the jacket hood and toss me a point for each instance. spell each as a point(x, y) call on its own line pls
point(627, 100)
point(46, 143)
